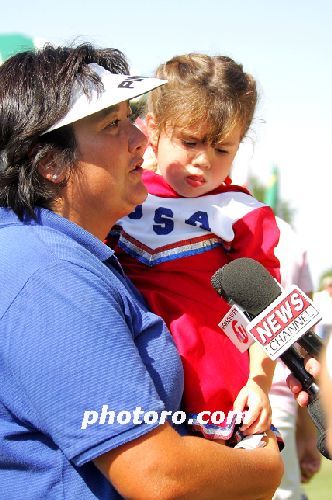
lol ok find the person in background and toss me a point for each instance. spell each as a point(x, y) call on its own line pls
point(300, 455)
point(320, 369)
point(193, 222)
point(77, 340)
point(323, 301)
point(326, 391)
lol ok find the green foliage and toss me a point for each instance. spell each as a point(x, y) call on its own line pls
point(325, 274)
point(138, 107)
point(259, 191)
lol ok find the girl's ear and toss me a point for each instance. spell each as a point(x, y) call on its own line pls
point(153, 130)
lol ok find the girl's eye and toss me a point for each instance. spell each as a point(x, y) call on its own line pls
point(221, 151)
point(189, 144)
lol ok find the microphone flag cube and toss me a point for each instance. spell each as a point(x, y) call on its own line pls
point(283, 322)
point(234, 324)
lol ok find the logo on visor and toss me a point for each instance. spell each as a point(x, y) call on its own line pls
point(128, 82)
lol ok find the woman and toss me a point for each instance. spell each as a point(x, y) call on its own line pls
point(84, 364)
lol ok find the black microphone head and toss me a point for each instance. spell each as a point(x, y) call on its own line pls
point(247, 283)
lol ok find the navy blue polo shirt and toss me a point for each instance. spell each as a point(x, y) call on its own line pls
point(76, 337)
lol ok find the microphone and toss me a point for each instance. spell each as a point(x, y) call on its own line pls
point(278, 319)
point(248, 284)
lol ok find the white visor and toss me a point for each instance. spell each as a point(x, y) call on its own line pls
point(117, 88)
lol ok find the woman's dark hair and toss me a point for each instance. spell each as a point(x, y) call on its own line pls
point(35, 91)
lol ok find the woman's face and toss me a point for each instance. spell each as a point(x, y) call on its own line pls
point(107, 184)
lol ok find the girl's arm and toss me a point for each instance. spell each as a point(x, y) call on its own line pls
point(253, 397)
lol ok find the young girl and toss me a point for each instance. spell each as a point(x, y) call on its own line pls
point(193, 222)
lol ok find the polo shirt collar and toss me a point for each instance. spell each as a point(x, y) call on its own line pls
point(48, 218)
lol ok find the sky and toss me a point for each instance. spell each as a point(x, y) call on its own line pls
point(285, 44)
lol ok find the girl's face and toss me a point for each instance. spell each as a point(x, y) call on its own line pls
point(190, 165)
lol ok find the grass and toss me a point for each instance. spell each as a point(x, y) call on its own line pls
point(320, 487)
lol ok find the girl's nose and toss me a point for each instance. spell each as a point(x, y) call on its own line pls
point(201, 160)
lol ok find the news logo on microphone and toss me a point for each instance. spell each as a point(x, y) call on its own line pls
point(234, 325)
point(283, 322)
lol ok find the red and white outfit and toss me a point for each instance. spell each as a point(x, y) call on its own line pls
point(170, 247)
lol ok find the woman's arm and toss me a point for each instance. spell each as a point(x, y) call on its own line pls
point(162, 464)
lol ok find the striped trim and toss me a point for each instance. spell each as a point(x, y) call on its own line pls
point(213, 431)
point(152, 257)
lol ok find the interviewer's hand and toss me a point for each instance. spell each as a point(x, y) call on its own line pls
point(313, 367)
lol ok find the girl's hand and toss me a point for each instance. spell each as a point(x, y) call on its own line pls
point(255, 402)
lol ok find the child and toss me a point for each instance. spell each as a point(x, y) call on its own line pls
point(193, 222)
